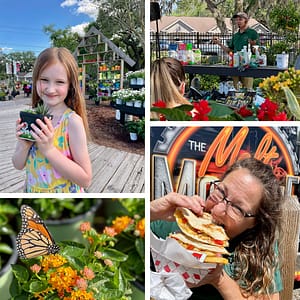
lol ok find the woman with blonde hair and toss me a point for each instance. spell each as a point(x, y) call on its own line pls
point(167, 82)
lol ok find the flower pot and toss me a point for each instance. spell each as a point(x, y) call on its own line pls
point(128, 118)
point(133, 136)
point(29, 118)
point(6, 274)
point(133, 81)
point(137, 103)
point(118, 115)
point(129, 103)
point(68, 229)
point(119, 101)
point(140, 81)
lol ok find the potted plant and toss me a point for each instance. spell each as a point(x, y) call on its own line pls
point(132, 127)
point(8, 253)
point(139, 98)
point(141, 128)
point(136, 77)
point(29, 116)
point(63, 215)
point(99, 268)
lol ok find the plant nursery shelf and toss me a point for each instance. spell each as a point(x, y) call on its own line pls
point(129, 110)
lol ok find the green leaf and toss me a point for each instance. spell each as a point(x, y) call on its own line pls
point(113, 255)
point(219, 110)
point(6, 229)
point(4, 248)
point(20, 272)
point(178, 113)
point(140, 247)
point(37, 286)
point(292, 102)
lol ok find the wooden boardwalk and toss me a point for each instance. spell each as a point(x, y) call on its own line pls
point(114, 171)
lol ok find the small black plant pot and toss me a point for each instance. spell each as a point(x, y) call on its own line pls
point(30, 118)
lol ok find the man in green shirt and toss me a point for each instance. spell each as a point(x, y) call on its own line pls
point(243, 37)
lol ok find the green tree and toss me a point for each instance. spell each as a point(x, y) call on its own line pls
point(62, 37)
point(124, 22)
point(26, 60)
point(258, 9)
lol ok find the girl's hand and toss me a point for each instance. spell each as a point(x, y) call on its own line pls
point(19, 126)
point(44, 135)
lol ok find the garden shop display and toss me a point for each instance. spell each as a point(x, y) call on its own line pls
point(29, 117)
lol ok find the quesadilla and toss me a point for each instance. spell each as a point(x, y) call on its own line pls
point(200, 234)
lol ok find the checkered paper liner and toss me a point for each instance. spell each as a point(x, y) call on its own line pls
point(169, 256)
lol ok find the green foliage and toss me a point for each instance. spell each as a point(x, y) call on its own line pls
point(58, 208)
point(136, 126)
point(209, 82)
point(128, 33)
point(292, 102)
point(178, 113)
point(62, 37)
point(285, 19)
point(41, 109)
point(7, 211)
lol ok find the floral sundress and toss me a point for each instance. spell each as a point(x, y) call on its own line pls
point(41, 177)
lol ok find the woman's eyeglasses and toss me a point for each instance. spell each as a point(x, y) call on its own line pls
point(233, 210)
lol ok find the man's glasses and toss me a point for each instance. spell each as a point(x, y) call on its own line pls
point(233, 210)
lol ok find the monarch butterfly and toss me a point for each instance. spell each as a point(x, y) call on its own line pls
point(34, 239)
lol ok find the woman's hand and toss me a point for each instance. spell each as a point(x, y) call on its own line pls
point(44, 135)
point(213, 277)
point(164, 207)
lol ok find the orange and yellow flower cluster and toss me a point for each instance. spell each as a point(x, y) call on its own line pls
point(63, 280)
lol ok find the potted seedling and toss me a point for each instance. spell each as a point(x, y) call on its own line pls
point(29, 116)
point(132, 127)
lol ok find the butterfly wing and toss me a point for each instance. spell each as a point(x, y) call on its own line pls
point(34, 238)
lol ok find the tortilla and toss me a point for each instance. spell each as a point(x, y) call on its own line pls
point(200, 230)
point(210, 250)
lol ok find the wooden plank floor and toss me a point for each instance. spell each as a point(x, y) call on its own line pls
point(114, 171)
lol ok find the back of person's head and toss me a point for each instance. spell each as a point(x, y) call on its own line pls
point(62, 55)
point(167, 77)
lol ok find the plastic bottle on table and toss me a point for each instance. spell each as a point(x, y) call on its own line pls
point(190, 59)
point(236, 59)
point(230, 59)
point(239, 86)
point(182, 54)
point(197, 56)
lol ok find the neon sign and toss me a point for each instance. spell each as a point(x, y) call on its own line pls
point(185, 159)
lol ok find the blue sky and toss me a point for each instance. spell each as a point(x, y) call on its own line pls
point(22, 22)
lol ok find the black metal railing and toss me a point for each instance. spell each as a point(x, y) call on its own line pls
point(160, 42)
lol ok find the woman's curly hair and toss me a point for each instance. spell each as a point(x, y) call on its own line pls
point(255, 259)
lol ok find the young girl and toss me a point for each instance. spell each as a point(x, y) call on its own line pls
point(58, 160)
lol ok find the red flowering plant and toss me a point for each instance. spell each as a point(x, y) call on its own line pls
point(197, 111)
point(97, 269)
point(267, 111)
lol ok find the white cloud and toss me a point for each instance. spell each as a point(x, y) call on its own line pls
point(87, 7)
point(68, 3)
point(79, 29)
point(6, 49)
